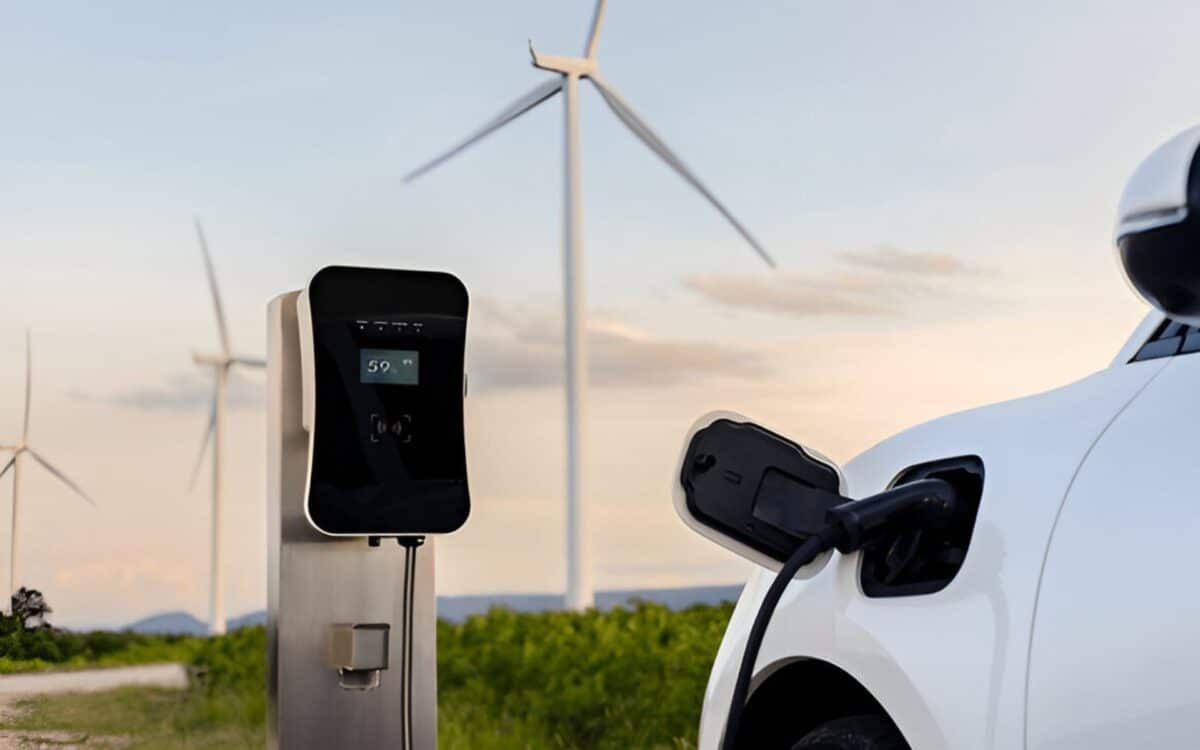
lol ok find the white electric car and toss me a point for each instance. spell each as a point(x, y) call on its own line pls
point(1064, 613)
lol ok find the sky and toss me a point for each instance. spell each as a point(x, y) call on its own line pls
point(937, 181)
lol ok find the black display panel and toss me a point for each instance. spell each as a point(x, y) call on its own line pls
point(389, 453)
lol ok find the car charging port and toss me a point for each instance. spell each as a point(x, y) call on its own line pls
point(916, 559)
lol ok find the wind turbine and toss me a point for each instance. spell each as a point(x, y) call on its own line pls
point(221, 365)
point(570, 71)
point(21, 449)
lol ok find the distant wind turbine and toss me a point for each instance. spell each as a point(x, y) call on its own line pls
point(221, 365)
point(23, 448)
point(570, 71)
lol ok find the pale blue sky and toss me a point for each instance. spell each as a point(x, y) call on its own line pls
point(826, 126)
point(994, 134)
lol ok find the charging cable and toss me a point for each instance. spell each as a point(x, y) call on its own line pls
point(410, 545)
point(924, 504)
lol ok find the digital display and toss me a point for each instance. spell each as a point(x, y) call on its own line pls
point(389, 366)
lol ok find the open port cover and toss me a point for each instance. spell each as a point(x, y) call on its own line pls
point(751, 490)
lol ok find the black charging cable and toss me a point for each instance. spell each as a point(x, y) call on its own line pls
point(803, 555)
point(408, 595)
point(924, 504)
point(410, 545)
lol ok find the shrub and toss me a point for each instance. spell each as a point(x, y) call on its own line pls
point(230, 689)
point(628, 678)
point(27, 642)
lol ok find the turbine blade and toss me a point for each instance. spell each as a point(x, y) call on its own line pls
point(625, 114)
point(522, 105)
point(250, 361)
point(594, 35)
point(8, 465)
point(28, 383)
point(222, 326)
point(208, 433)
point(61, 476)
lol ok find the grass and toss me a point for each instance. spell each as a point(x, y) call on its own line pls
point(158, 719)
point(627, 679)
point(145, 718)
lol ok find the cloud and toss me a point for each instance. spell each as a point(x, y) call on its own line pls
point(183, 391)
point(517, 347)
point(792, 295)
point(880, 282)
point(890, 259)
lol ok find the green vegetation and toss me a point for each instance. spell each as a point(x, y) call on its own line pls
point(620, 679)
point(36, 650)
point(627, 679)
point(28, 643)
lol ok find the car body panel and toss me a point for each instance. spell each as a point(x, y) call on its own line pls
point(1114, 662)
point(948, 667)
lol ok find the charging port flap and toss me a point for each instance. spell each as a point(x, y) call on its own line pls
point(753, 491)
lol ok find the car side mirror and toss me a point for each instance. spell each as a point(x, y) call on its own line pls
point(751, 490)
point(1158, 228)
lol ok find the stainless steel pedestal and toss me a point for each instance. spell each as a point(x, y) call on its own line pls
point(318, 585)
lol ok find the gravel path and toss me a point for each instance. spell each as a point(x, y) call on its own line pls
point(89, 680)
point(17, 686)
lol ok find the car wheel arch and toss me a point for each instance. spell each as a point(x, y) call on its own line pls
point(784, 705)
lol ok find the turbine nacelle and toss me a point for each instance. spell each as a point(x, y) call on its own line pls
point(580, 67)
point(211, 360)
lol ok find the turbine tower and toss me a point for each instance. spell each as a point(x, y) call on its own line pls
point(221, 365)
point(19, 451)
point(570, 71)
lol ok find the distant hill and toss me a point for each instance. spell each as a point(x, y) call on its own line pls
point(458, 608)
point(169, 623)
point(183, 623)
point(252, 618)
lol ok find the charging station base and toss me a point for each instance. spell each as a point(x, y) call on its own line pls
point(320, 585)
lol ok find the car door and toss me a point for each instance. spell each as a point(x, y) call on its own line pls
point(1115, 657)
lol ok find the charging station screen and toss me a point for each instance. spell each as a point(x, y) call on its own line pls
point(388, 453)
point(390, 366)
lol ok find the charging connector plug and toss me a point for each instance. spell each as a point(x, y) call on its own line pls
point(924, 504)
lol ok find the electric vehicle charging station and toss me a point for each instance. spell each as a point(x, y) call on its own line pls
point(366, 460)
